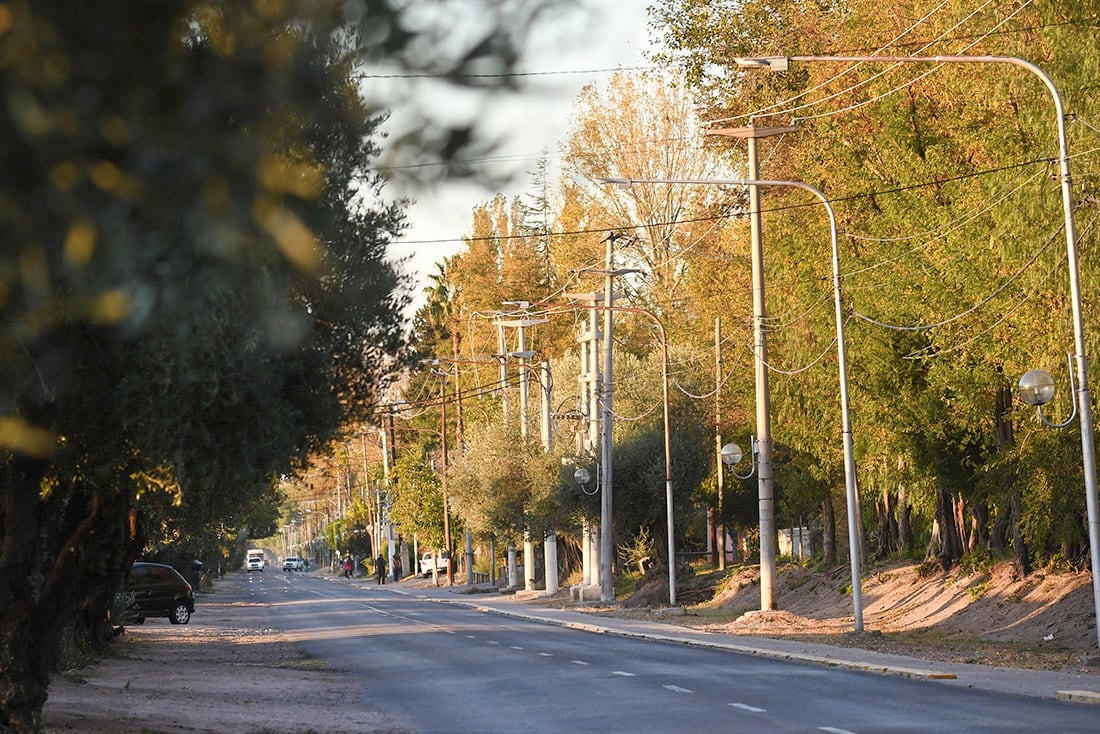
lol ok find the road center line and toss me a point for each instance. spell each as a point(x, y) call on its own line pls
point(578, 662)
point(746, 707)
point(676, 689)
point(834, 730)
point(622, 672)
point(546, 654)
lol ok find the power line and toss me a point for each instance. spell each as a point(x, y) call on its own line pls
point(710, 218)
point(510, 75)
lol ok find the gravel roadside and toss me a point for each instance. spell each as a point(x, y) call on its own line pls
point(223, 672)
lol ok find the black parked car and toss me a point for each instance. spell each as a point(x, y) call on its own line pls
point(160, 591)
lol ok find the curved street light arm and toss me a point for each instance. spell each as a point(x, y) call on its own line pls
point(842, 362)
point(1073, 388)
point(752, 461)
point(1084, 401)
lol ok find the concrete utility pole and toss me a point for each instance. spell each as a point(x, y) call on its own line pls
point(590, 380)
point(550, 542)
point(607, 548)
point(719, 525)
point(522, 354)
point(765, 481)
point(446, 502)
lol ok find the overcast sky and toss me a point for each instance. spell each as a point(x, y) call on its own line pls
point(611, 34)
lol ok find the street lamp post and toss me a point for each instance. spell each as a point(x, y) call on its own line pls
point(1084, 401)
point(581, 475)
point(842, 366)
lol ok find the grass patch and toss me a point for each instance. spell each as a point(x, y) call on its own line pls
point(303, 663)
point(977, 589)
point(798, 584)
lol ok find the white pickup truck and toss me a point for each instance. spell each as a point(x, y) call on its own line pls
point(430, 560)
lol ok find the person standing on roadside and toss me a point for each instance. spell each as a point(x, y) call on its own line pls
point(380, 568)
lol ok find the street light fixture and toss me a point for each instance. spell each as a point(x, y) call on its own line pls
point(766, 495)
point(732, 455)
point(1037, 388)
point(1084, 400)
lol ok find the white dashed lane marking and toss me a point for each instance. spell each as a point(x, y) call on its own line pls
point(676, 689)
point(622, 672)
point(578, 662)
point(834, 730)
point(546, 654)
point(746, 707)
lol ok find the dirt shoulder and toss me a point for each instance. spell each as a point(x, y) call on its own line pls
point(989, 616)
point(223, 672)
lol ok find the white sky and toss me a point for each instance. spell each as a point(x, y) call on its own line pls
point(606, 34)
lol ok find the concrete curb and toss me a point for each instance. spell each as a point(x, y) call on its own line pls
point(1021, 682)
point(1078, 696)
point(714, 645)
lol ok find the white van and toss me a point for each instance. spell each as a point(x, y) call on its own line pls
point(429, 560)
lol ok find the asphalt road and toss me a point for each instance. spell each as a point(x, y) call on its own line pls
point(449, 668)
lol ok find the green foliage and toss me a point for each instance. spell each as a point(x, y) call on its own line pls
point(416, 497)
point(194, 285)
point(638, 553)
point(504, 486)
point(940, 178)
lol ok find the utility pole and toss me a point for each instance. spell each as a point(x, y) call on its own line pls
point(521, 324)
point(446, 503)
point(550, 542)
point(719, 524)
point(602, 571)
point(460, 441)
point(607, 548)
point(765, 482)
point(589, 340)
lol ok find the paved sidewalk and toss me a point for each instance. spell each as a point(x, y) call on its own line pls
point(1082, 686)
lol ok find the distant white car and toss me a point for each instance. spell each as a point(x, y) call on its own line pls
point(293, 563)
point(430, 559)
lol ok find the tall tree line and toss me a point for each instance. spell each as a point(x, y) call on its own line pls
point(195, 291)
point(944, 182)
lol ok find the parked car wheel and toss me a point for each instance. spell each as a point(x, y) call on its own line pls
point(180, 614)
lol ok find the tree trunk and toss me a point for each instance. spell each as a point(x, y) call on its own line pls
point(885, 507)
point(979, 526)
point(57, 551)
point(959, 505)
point(1021, 557)
point(998, 536)
point(712, 538)
point(905, 527)
point(947, 533)
point(828, 530)
point(25, 653)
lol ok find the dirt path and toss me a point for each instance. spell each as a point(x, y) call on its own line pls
point(988, 616)
point(223, 672)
